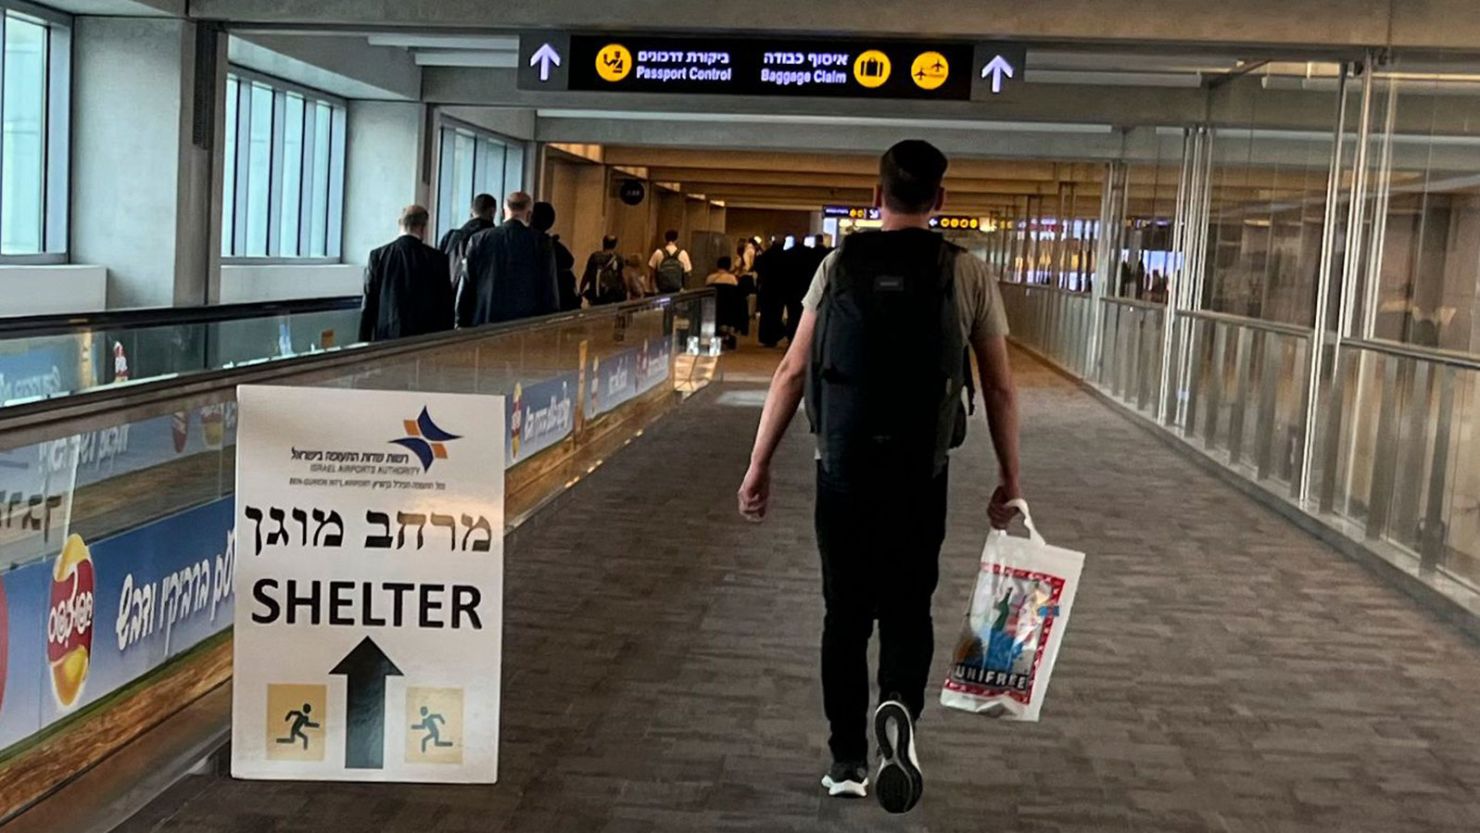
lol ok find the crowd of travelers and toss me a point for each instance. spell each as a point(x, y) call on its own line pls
point(487, 271)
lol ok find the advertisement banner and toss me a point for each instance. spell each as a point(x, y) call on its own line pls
point(612, 381)
point(539, 415)
point(368, 641)
point(653, 363)
point(37, 482)
point(95, 617)
point(39, 367)
point(619, 377)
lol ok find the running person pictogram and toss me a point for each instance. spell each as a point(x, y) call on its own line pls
point(300, 720)
point(433, 735)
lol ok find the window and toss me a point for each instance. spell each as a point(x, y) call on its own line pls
point(283, 193)
point(474, 162)
point(33, 127)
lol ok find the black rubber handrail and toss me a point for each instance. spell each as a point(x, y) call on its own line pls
point(40, 415)
point(30, 326)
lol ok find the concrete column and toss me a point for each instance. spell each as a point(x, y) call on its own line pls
point(632, 224)
point(384, 161)
point(587, 213)
point(696, 217)
point(133, 146)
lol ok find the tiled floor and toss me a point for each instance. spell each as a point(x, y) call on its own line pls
point(1222, 672)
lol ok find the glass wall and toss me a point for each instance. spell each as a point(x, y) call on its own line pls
point(473, 162)
point(33, 185)
point(1266, 215)
point(283, 193)
point(1321, 334)
point(1424, 261)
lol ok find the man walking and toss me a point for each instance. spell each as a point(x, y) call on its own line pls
point(455, 242)
point(406, 288)
point(670, 265)
point(510, 270)
point(881, 354)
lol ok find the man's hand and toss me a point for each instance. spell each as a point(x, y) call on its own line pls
point(755, 493)
point(998, 510)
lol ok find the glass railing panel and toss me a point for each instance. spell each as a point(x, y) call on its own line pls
point(1449, 532)
point(80, 356)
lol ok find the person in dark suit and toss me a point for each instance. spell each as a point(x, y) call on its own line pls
point(455, 242)
point(543, 219)
point(406, 287)
point(770, 292)
point(510, 270)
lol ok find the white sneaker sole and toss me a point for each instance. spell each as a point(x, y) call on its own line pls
point(845, 789)
point(898, 783)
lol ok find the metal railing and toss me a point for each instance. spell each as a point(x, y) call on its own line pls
point(1393, 443)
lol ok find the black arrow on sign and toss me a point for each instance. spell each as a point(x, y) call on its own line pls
point(365, 668)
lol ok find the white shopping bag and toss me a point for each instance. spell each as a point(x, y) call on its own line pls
point(1014, 626)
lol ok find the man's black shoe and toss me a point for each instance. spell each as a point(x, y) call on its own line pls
point(847, 778)
point(898, 783)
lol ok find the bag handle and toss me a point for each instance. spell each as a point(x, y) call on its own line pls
point(1022, 506)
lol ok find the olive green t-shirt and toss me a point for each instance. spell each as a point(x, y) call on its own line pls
point(977, 296)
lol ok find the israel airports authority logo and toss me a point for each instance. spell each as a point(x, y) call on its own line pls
point(425, 440)
point(69, 621)
point(613, 62)
point(930, 70)
point(871, 68)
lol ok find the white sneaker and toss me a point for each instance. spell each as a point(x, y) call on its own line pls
point(898, 783)
point(847, 780)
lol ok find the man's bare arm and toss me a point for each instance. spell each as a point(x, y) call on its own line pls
point(781, 406)
point(999, 394)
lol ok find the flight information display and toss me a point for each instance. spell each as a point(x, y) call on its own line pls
point(759, 67)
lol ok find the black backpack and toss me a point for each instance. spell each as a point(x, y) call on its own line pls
point(889, 362)
point(670, 272)
point(611, 285)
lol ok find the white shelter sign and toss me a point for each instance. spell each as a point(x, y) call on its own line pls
point(368, 638)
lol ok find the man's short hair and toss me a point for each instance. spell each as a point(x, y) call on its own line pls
point(484, 204)
point(414, 217)
point(518, 202)
point(670, 236)
point(542, 218)
point(725, 263)
point(609, 242)
point(910, 174)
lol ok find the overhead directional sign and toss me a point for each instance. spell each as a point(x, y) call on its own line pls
point(996, 69)
point(996, 65)
point(852, 212)
point(956, 222)
point(370, 565)
point(544, 58)
point(825, 67)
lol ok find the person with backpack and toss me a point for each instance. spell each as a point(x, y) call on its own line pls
point(881, 358)
point(670, 265)
point(604, 282)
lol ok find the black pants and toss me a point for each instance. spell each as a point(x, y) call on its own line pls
point(773, 323)
point(793, 318)
point(880, 543)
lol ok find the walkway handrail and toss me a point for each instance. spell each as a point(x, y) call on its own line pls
point(1244, 321)
point(1133, 302)
point(31, 326)
point(1451, 358)
point(1047, 287)
point(30, 422)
